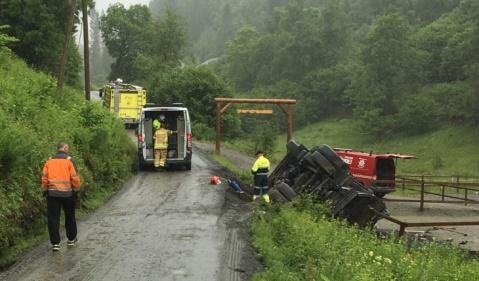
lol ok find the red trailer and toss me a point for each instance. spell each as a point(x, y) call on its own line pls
point(375, 171)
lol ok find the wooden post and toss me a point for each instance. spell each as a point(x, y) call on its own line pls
point(457, 184)
point(218, 128)
point(86, 49)
point(66, 43)
point(421, 206)
point(465, 196)
point(403, 185)
point(290, 122)
point(443, 190)
point(402, 229)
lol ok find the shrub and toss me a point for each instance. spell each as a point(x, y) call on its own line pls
point(33, 118)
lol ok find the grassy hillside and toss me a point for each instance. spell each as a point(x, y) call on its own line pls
point(33, 118)
point(452, 150)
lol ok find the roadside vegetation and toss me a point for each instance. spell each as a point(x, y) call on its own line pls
point(300, 241)
point(34, 117)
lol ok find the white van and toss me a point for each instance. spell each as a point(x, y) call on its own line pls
point(179, 143)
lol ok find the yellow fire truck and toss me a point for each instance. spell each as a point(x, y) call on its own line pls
point(125, 100)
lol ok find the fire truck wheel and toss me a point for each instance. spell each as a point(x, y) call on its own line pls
point(286, 191)
point(277, 196)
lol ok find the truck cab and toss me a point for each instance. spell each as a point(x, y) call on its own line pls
point(177, 119)
point(375, 171)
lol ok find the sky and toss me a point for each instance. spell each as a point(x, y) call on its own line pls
point(103, 4)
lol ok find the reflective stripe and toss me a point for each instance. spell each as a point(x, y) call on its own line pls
point(52, 188)
point(261, 174)
point(59, 182)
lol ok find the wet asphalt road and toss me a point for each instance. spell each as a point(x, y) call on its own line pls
point(160, 226)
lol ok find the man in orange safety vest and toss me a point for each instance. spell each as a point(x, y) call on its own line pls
point(60, 184)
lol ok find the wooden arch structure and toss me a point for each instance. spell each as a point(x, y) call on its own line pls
point(288, 111)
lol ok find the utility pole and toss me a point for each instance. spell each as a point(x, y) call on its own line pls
point(66, 43)
point(86, 49)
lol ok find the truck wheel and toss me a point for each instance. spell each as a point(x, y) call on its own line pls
point(329, 153)
point(277, 196)
point(324, 163)
point(286, 191)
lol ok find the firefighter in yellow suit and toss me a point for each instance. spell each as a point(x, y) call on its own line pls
point(161, 142)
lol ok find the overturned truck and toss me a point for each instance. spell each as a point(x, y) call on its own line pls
point(320, 172)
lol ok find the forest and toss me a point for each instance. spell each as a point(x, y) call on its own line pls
point(398, 67)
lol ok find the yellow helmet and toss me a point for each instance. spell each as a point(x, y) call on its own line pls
point(156, 124)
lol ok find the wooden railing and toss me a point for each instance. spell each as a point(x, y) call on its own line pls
point(456, 190)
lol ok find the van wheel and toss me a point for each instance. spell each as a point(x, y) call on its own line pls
point(188, 166)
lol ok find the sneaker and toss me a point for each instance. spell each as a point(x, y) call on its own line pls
point(56, 247)
point(71, 243)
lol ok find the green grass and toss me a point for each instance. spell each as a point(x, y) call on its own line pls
point(452, 150)
point(301, 242)
point(36, 234)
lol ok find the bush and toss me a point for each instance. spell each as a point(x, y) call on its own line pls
point(202, 131)
point(33, 118)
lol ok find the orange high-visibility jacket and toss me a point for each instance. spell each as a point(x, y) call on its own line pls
point(59, 176)
point(161, 138)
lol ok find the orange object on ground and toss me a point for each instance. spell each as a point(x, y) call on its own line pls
point(215, 180)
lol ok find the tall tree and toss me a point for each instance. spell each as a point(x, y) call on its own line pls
point(40, 27)
point(391, 71)
point(123, 31)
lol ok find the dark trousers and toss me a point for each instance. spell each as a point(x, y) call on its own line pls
point(54, 206)
point(260, 184)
